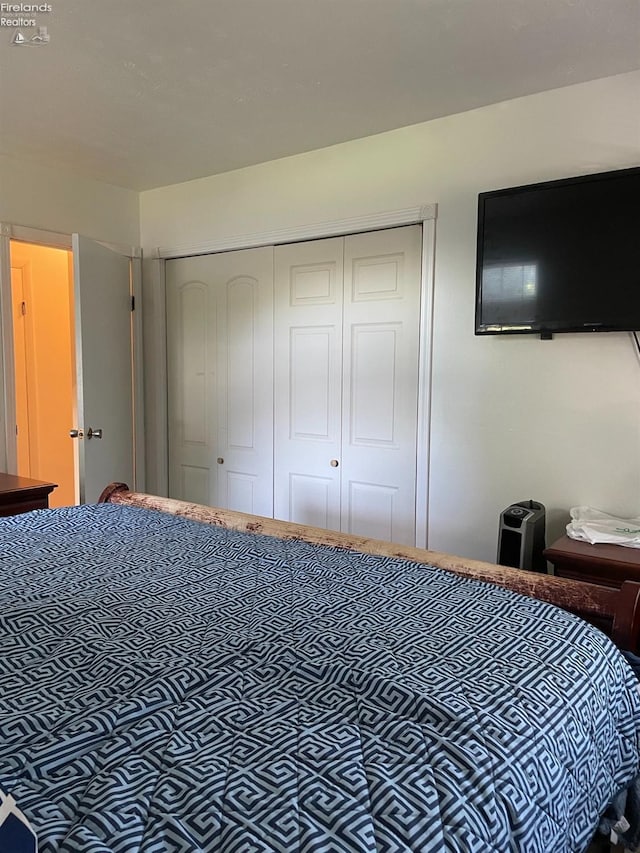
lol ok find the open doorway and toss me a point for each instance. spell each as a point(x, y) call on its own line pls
point(44, 358)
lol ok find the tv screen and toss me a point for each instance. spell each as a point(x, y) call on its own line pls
point(560, 256)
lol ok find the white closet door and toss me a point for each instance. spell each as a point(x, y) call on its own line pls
point(380, 383)
point(191, 383)
point(308, 355)
point(347, 343)
point(220, 376)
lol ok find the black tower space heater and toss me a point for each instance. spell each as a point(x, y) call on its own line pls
point(521, 536)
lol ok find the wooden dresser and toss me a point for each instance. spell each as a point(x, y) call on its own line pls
point(20, 494)
point(609, 565)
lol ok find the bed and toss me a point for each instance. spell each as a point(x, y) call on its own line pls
point(181, 678)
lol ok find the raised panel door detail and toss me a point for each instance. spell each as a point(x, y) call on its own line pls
point(244, 282)
point(194, 484)
point(191, 375)
point(380, 382)
point(373, 383)
point(310, 379)
point(377, 277)
point(240, 490)
point(371, 510)
point(241, 356)
point(193, 363)
point(225, 337)
point(309, 500)
point(312, 284)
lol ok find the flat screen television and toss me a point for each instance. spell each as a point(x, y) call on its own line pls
point(560, 256)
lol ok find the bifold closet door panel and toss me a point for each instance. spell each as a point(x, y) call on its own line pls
point(382, 273)
point(308, 375)
point(191, 382)
point(220, 379)
point(325, 434)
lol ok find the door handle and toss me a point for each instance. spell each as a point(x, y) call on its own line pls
point(76, 433)
point(94, 433)
point(334, 463)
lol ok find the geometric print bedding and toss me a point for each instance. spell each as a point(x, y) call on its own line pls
point(171, 686)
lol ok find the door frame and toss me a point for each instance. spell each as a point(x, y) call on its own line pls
point(155, 332)
point(56, 240)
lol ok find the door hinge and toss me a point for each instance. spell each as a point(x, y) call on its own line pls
point(133, 303)
point(23, 308)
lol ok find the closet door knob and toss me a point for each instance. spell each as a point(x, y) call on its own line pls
point(94, 433)
point(220, 460)
point(334, 463)
point(76, 433)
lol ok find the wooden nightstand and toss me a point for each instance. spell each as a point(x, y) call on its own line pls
point(19, 494)
point(608, 565)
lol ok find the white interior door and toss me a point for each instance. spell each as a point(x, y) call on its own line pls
point(336, 444)
point(220, 379)
point(102, 305)
point(191, 382)
point(380, 383)
point(308, 377)
point(346, 382)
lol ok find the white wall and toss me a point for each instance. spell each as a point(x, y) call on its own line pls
point(55, 200)
point(512, 417)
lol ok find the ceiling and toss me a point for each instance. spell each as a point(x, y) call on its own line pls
point(144, 93)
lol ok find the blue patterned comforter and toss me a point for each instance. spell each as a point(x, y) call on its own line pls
point(169, 686)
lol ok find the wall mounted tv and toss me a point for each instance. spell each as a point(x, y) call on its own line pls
point(560, 256)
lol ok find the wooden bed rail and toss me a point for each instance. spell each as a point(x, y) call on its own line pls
point(615, 611)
